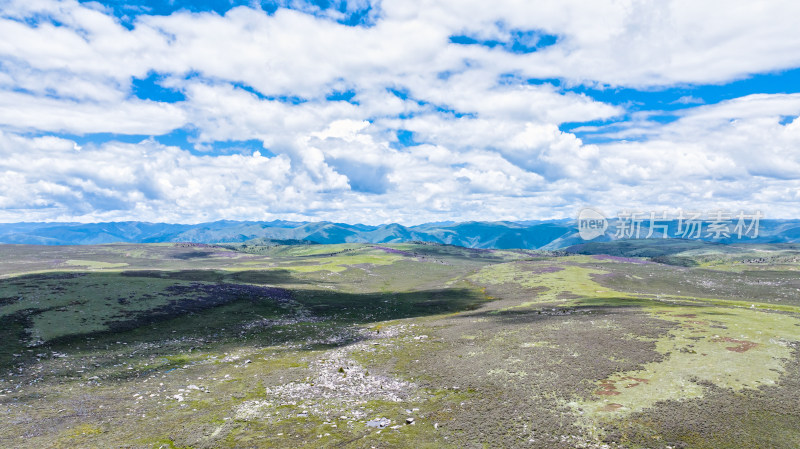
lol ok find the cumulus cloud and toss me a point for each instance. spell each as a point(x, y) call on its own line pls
point(30, 112)
point(480, 118)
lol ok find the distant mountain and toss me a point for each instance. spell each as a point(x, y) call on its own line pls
point(553, 234)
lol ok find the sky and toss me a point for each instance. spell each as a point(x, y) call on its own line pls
point(405, 111)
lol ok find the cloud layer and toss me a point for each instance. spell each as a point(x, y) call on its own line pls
point(426, 112)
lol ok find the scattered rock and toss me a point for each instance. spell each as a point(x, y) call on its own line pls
point(409, 420)
point(379, 423)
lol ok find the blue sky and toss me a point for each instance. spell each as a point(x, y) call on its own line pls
point(376, 112)
point(347, 13)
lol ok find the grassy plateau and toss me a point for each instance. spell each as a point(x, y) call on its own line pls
point(666, 344)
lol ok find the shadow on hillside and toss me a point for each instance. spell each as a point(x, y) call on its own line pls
point(597, 307)
point(213, 309)
point(262, 277)
point(193, 255)
point(545, 312)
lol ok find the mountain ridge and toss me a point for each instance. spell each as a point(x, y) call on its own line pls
point(544, 234)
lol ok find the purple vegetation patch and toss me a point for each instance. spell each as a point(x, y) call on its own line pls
point(394, 251)
point(228, 254)
point(192, 245)
point(620, 259)
point(204, 296)
point(223, 293)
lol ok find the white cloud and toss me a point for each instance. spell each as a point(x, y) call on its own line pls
point(733, 154)
point(688, 99)
point(25, 111)
point(490, 149)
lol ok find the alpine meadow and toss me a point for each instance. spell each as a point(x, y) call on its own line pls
point(363, 224)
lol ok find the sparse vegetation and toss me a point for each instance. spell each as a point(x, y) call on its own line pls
point(401, 345)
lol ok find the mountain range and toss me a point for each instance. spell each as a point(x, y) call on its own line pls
point(552, 234)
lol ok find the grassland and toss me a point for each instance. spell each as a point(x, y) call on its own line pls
point(184, 345)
